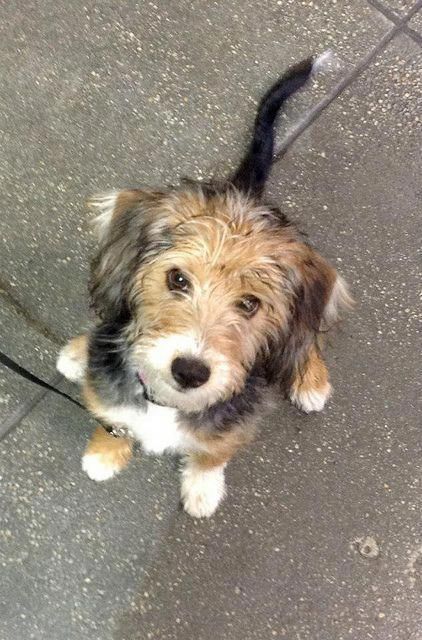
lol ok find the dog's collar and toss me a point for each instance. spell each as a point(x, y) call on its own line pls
point(116, 432)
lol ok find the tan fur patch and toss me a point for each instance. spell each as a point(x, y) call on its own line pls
point(92, 401)
point(314, 375)
point(113, 452)
point(221, 448)
point(78, 349)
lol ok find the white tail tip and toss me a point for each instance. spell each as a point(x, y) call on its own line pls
point(327, 61)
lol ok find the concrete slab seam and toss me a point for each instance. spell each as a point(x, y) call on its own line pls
point(394, 17)
point(15, 418)
point(314, 113)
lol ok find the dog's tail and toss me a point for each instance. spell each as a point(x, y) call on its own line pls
point(252, 173)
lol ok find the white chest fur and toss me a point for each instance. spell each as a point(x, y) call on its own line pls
point(157, 428)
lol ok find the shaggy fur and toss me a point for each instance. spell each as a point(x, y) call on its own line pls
point(206, 297)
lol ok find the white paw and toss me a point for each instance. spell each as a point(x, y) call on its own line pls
point(311, 400)
point(71, 368)
point(202, 491)
point(96, 468)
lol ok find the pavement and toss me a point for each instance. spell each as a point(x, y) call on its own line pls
point(320, 537)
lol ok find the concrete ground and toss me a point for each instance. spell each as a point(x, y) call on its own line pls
point(320, 537)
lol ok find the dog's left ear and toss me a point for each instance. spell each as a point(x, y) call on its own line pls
point(318, 297)
point(130, 227)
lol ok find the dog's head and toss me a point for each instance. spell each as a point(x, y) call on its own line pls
point(210, 284)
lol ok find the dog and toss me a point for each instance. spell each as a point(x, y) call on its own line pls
point(206, 298)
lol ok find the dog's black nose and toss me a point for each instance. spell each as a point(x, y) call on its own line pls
point(190, 372)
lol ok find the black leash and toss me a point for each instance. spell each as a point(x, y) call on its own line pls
point(16, 368)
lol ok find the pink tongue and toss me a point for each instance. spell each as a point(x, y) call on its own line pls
point(142, 378)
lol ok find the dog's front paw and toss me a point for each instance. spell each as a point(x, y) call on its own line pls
point(99, 467)
point(202, 490)
point(71, 362)
point(308, 399)
point(106, 455)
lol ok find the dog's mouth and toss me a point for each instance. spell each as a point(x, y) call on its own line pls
point(148, 387)
point(163, 392)
point(142, 378)
point(157, 388)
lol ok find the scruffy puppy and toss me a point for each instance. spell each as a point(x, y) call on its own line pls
point(206, 297)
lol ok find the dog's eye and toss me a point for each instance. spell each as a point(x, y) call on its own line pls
point(177, 281)
point(248, 305)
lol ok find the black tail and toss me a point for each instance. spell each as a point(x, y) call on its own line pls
point(253, 171)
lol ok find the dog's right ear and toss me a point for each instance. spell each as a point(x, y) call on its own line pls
point(131, 227)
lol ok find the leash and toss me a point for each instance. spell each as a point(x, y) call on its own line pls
point(16, 368)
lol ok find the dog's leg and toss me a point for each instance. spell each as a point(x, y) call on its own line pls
point(73, 359)
point(106, 455)
point(203, 485)
point(311, 388)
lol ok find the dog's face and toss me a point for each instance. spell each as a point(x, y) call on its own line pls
point(212, 283)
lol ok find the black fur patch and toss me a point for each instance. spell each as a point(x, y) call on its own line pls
point(254, 169)
point(109, 370)
point(223, 416)
point(311, 295)
point(130, 240)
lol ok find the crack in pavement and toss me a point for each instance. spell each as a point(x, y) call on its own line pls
point(34, 323)
point(313, 114)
